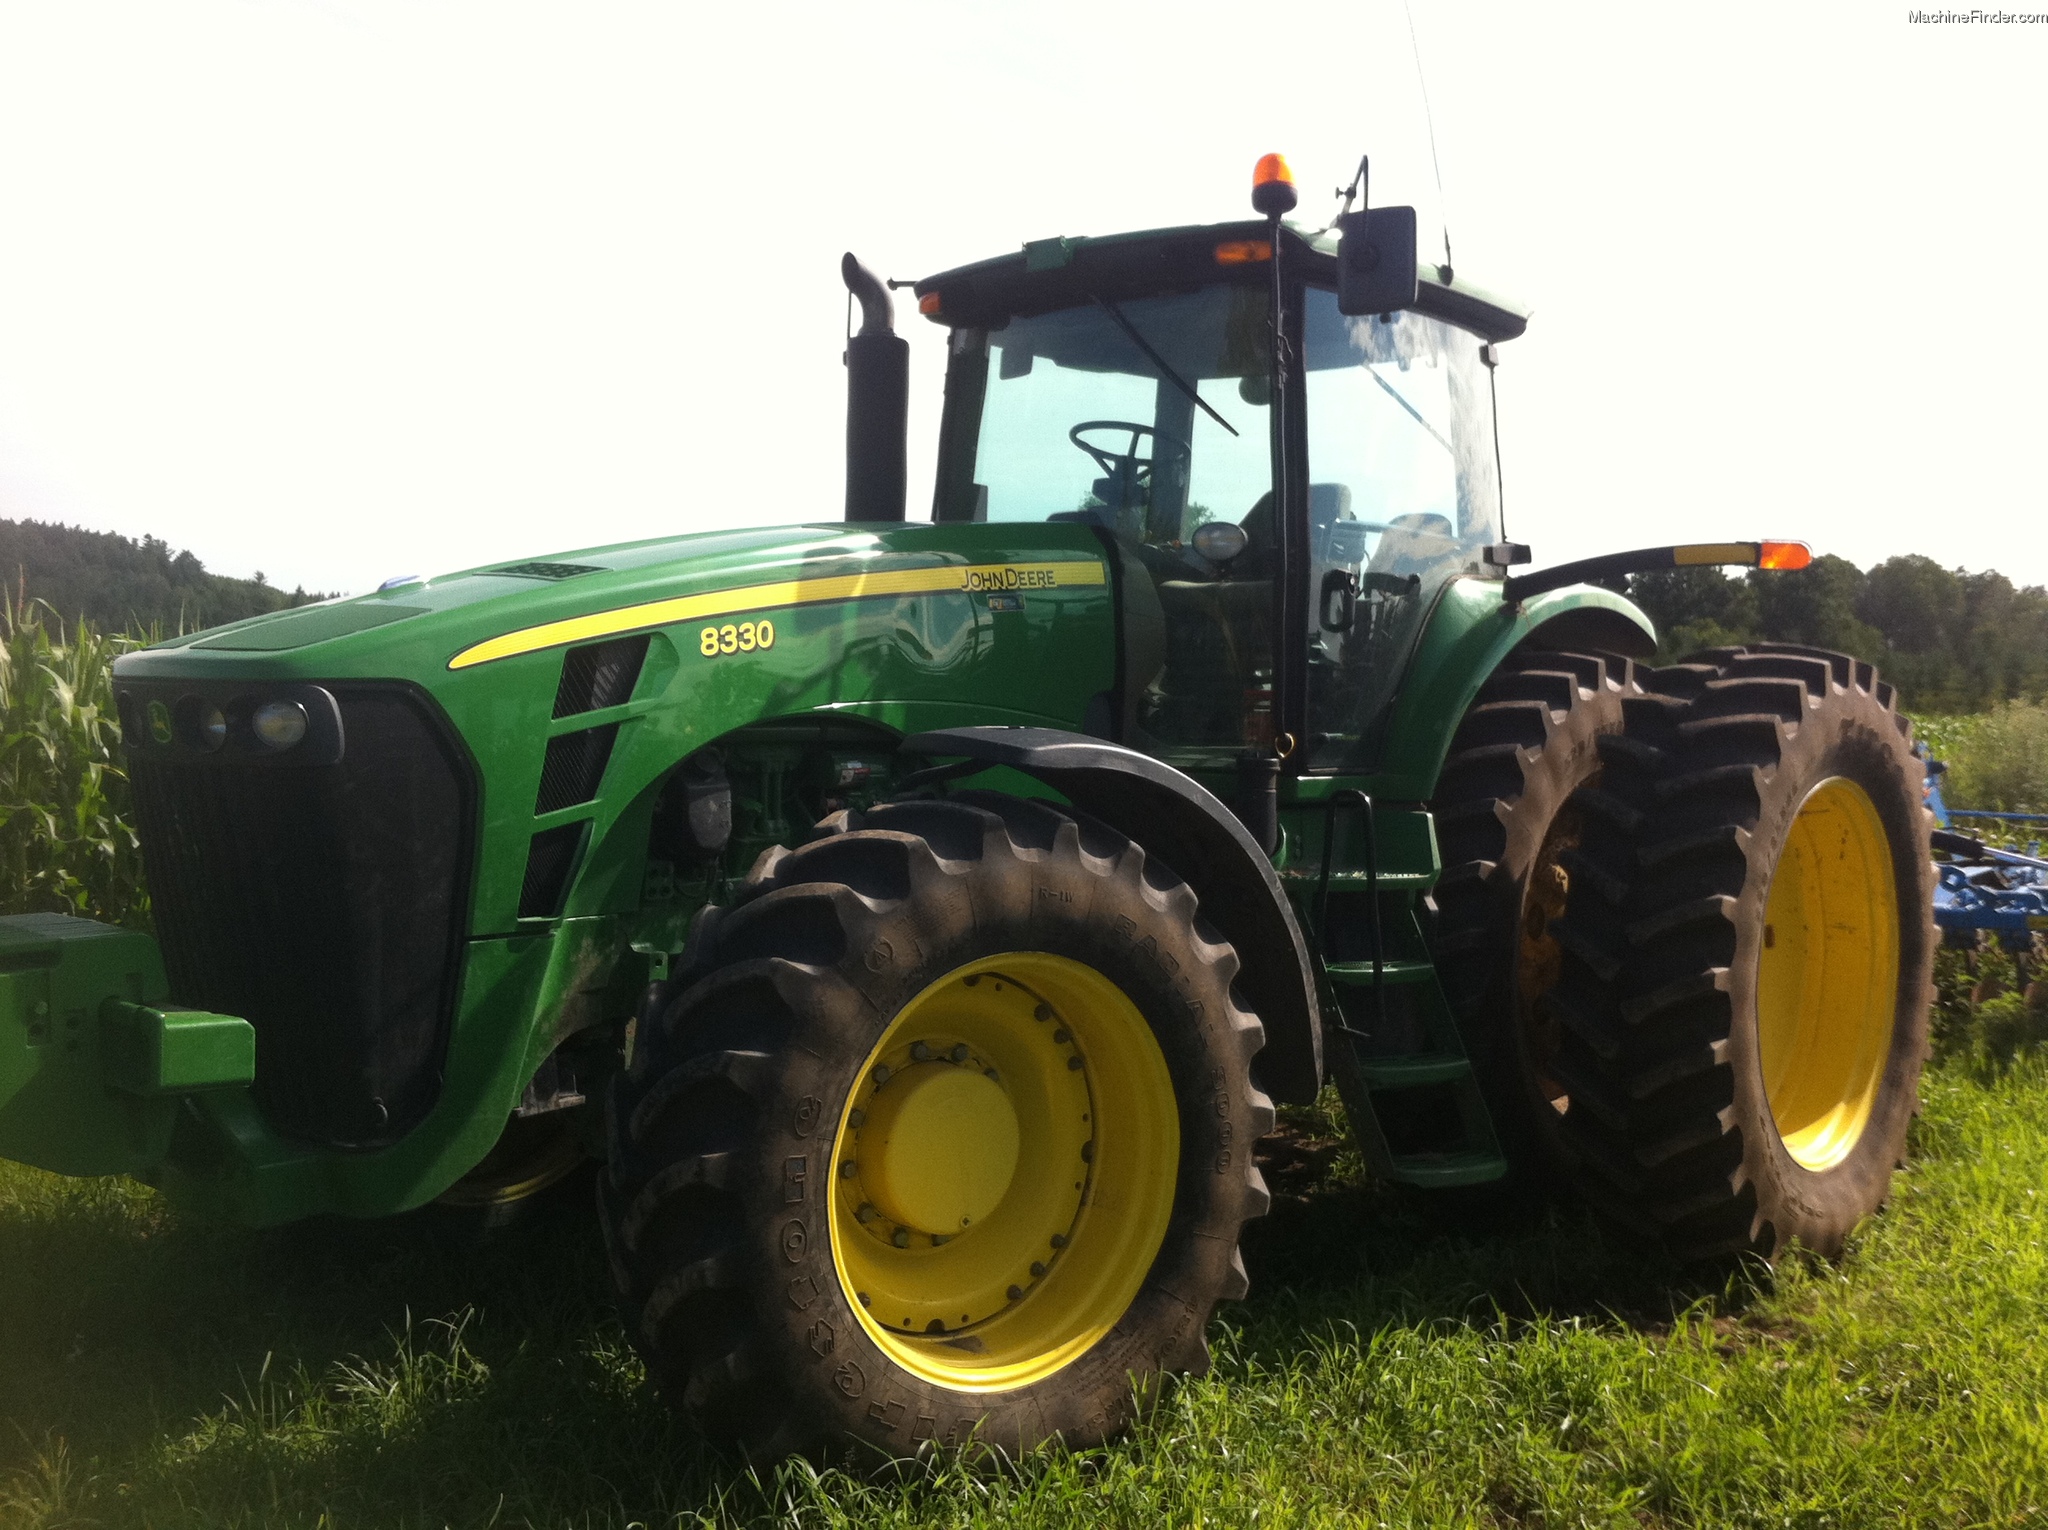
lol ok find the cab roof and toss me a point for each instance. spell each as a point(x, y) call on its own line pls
point(1056, 273)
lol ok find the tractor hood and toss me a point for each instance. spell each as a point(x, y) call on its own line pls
point(895, 628)
point(418, 630)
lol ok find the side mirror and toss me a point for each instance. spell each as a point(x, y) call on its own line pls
point(1376, 260)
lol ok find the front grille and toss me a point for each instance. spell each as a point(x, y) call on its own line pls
point(323, 903)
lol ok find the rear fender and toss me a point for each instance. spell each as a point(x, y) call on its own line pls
point(1470, 631)
point(1178, 819)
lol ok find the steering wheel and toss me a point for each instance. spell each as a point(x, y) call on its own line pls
point(1126, 467)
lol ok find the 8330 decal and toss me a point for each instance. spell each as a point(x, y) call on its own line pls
point(735, 637)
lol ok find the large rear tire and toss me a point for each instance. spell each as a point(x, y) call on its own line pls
point(1748, 953)
point(944, 1137)
point(1521, 777)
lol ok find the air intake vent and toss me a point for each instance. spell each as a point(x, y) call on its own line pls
point(548, 570)
point(600, 676)
point(573, 769)
point(548, 863)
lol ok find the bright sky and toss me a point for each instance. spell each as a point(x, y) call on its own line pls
point(342, 290)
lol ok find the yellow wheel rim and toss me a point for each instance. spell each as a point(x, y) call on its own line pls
point(1827, 982)
point(1005, 1169)
point(535, 1154)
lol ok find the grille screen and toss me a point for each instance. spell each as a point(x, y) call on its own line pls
point(600, 675)
point(548, 570)
point(573, 768)
point(548, 861)
point(325, 906)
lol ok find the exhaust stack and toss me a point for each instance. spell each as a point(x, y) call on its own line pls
point(877, 401)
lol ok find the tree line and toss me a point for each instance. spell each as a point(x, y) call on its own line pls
point(122, 585)
point(1949, 639)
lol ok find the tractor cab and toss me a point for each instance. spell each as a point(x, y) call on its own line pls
point(1129, 384)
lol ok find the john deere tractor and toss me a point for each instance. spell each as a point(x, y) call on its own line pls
point(917, 921)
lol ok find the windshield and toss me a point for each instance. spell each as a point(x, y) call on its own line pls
point(1088, 414)
point(1150, 417)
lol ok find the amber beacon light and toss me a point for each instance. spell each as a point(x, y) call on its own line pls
point(1273, 186)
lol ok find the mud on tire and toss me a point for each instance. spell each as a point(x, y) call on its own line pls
point(718, 1197)
point(1698, 1112)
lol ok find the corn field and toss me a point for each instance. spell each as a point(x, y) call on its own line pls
point(67, 838)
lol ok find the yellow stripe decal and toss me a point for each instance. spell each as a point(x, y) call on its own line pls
point(1715, 552)
point(789, 592)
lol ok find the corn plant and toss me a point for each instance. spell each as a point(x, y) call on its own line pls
point(67, 836)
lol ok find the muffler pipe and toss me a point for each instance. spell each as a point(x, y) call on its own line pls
point(877, 401)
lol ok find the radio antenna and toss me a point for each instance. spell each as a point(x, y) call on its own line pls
point(1429, 119)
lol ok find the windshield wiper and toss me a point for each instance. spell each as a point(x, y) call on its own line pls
point(1159, 361)
point(1415, 414)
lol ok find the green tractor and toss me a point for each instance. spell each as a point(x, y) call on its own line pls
point(917, 921)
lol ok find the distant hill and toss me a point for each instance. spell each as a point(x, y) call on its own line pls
point(121, 584)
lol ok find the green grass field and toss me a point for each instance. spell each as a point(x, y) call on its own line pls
point(1390, 1369)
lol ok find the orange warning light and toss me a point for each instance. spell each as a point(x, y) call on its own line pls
point(1783, 555)
point(1243, 252)
point(929, 303)
point(1273, 185)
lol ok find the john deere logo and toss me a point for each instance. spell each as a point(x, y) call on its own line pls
point(1043, 576)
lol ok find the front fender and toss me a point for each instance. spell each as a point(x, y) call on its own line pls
point(1468, 634)
point(1179, 819)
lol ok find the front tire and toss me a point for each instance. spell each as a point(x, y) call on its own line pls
point(947, 1139)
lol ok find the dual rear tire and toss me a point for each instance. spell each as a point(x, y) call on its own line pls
point(1686, 922)
point(1749, 945)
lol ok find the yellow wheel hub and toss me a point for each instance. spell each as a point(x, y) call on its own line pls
point(1005, 1171)
point(939, 1147)
point(1828, 978)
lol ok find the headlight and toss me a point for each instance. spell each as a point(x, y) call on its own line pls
point(278, 724)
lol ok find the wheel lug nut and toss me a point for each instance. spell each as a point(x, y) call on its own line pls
point(1037, 1269)
point(881, 1073)
point(1059, 1240)
point(865, 1215)
point(1016, 1292)
point(1063, 1035)
point(857, 1119)
point(1073, 1064)
point(1043, 1012)
point(902, 1238)
point(1088, 1152)
point(991, 1075)
point(920, 1052)
point(848, 1169)
point(959, 1053)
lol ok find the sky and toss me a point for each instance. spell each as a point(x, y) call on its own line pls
point(338, 291)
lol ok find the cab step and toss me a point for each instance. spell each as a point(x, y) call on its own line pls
point(1409, 1072)
point(1447, 1171)
point(1359, 974)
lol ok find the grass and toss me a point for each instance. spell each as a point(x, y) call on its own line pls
point(1389, 1369)
point(1997, 760)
